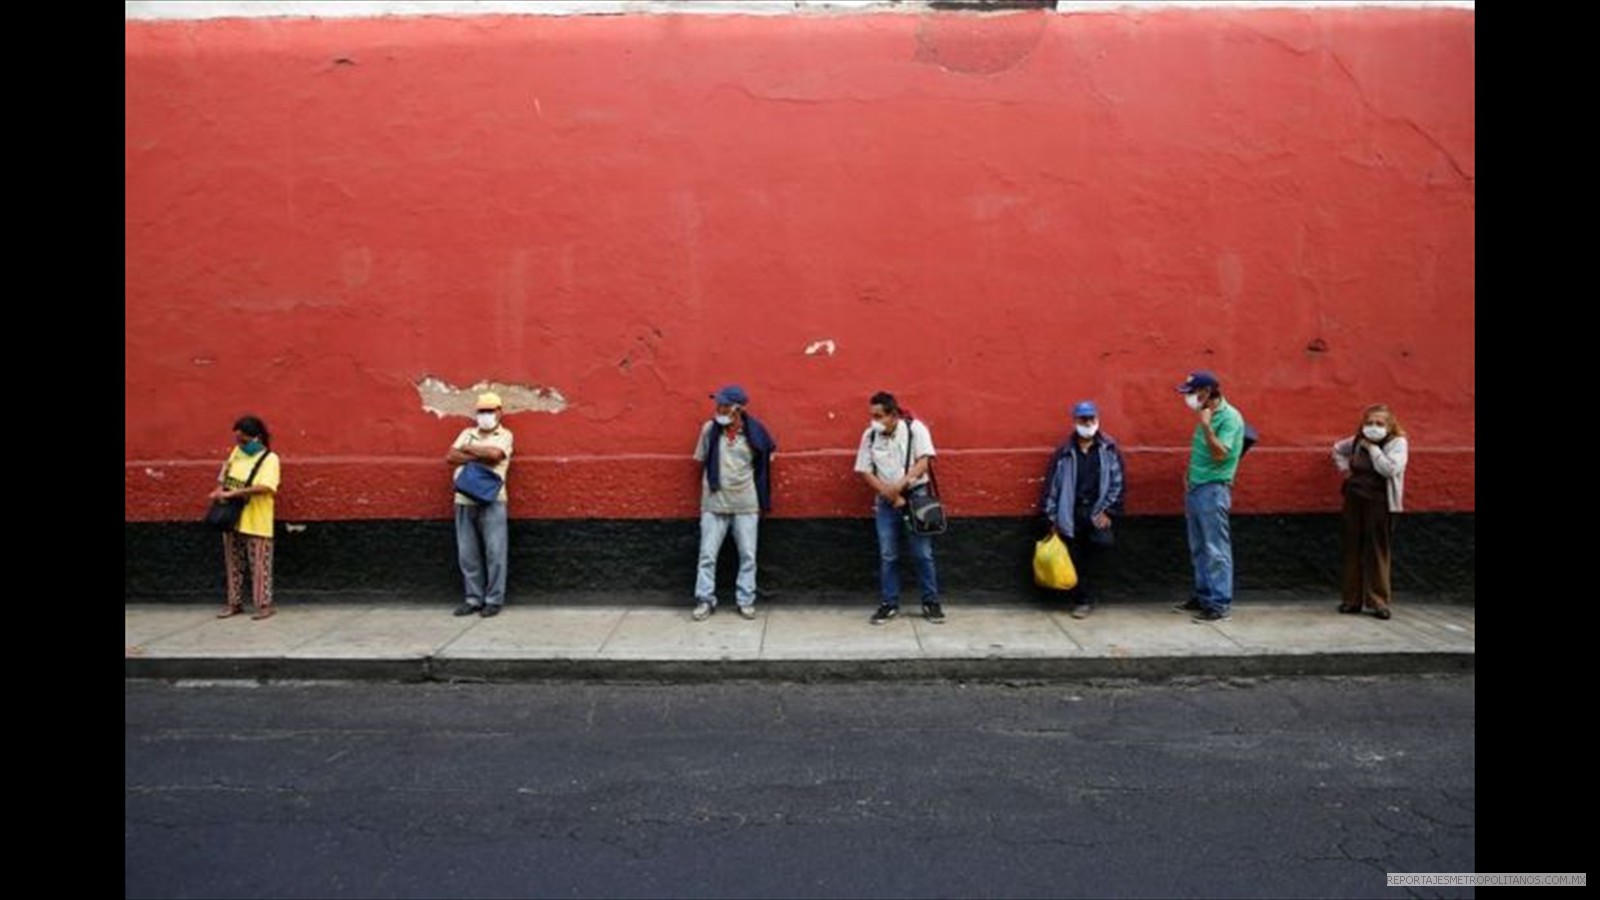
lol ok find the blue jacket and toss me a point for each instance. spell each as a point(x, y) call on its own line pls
point(761, 447)
point(1061, 481)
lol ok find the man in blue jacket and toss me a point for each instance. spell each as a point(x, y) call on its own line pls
point(1082, 496)
point(735, 451)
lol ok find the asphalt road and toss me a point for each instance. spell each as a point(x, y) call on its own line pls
point(1274, 788)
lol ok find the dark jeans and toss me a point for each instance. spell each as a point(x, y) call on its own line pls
point(1088, 558)
point(891, 527)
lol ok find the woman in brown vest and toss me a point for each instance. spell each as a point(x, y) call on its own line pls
point(1373, 462)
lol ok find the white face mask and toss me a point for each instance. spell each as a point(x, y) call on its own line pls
point(879, 427)
point(1375, 432)
point(486, 420)
point(1088, 431)
point(1193, 400)
point(723, 420)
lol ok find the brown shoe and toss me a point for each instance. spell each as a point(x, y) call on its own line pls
point(264, 613)
point(229, 611)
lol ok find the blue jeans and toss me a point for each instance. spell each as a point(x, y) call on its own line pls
point(1205, 507)
point(481, 549)
point(891, 526)
point(713, 531)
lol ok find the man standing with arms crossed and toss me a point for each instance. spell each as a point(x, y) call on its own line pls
point(481, 540)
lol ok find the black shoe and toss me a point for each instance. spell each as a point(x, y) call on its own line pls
point(491, 610)
point(1382, 612)
point(933, 612)
point(884, 614)
point(1213, 615)
point(1349, 610)
point(1190, 605)
point(465, 609)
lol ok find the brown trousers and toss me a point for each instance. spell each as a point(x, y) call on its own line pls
point(1368, 532)
point(236, 548)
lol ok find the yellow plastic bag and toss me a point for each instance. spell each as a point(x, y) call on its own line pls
point(1052, 564)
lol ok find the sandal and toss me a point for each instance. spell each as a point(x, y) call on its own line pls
point(265, 613)
point(229, 611)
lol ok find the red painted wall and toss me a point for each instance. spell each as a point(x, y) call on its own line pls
point(992, 216)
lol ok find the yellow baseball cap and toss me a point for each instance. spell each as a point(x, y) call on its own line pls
point(489, 400)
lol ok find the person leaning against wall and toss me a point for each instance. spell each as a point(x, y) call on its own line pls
point(894, 458)
point(1373, 462)
point(735, 452)
point(1083, 495)
point(481, 539)
point(250, 471)
point(1214, 453)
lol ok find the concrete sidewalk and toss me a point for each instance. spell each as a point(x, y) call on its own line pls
point(790, 641)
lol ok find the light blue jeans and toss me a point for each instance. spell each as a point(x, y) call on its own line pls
point(481, 548)
point(1205, 507)
point(713, 531)
point(891, 526)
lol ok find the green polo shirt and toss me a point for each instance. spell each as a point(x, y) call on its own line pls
point(1229, 426)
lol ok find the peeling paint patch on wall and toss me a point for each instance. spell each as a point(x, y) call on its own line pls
point(820, 347)
point(444, 399)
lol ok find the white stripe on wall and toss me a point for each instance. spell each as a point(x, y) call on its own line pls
point(336, 9)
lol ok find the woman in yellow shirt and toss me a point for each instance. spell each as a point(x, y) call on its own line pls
point(251, 540)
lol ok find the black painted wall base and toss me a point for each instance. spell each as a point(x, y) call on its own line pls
point(415, 560)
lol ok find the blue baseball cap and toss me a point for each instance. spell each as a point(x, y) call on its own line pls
point(731, 395)
point(1086, 410)
point(1198, 380)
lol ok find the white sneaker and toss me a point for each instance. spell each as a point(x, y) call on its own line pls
point(702, 611)
point(748, 611)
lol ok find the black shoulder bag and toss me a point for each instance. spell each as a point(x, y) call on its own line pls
point(223, 515)
point(924, 511)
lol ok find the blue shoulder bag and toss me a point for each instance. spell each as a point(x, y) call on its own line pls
point(479, 483)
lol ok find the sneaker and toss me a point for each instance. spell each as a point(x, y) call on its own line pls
point(1190, 605)
point(702, 611)
point(933, 612)
point(466, 609)
point(491, 610)
point(885, 613)
point(1213, 615)
point(1082, 610)
point(748, 611)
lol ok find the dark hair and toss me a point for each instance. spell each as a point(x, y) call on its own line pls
point(885, 400)
point(254, 427)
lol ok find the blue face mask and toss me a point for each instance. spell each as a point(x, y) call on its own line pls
point(252, 448)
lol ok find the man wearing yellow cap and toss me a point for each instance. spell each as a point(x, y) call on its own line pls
point(481, 527)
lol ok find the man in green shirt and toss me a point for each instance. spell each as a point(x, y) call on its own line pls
point(1213, 458)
